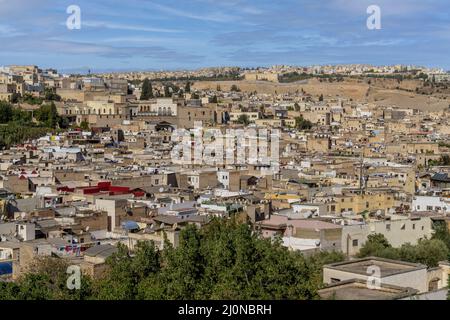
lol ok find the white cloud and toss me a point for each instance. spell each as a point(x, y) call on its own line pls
point(120, 26)
point(210, 16)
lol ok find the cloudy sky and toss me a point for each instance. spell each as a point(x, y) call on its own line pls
point(166, 34)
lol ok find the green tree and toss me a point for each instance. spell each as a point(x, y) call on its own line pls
point(234, 88)
point(50, 94)
point(147, 90)
point(46, 279)
point(15, 98)
point(84, 125)
point(187, 87)
point(225, 259)
point(303, 124)
point(441, 232)
point(15, 132)
point(167, 92)
point(21, 116)
point(428, 252)
point(374, 245)
point(120, 282)
point(195, 95)
point(48, 115)
point(445, 160)
point(30, 99)
point(6, 112)
point(243, 119)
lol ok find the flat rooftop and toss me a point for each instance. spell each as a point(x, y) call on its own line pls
point(358, 290)
point(387, 267)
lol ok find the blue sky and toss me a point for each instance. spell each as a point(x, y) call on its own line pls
point(149, 35)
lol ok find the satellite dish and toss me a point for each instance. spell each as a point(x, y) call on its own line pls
point(162, 225)
point(161, 189)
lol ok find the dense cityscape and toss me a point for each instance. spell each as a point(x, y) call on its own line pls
point(282, 182)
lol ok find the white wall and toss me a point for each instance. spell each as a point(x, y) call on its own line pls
point(429, 203)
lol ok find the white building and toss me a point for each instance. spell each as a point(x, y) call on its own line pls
point(431, 203)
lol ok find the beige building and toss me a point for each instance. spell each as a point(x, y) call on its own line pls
point(397, 231)
point(262, 76)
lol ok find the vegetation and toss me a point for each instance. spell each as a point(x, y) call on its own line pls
point(15, 133)
point(147, 90)
point(84, 125)
point(243, 119)
point(428, 252)
point(296, 76)
point(30, 99)
point(234, 88)
point(442, 233)
point(16, 124)
point(187, 88)
point(45, 280)
point(50, 95)
point(48, 115)
point(444, 160)
point(223, 260)
point(167, 92)
point(302, 124)
point(8, 113)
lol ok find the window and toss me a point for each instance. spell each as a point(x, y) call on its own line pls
point(335, 280)
point(414, 226)
point(388, 227)
point(355, 242)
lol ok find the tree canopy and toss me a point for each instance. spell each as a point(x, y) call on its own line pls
point(427, 251)
point(223, 260)
point(243, 119)
point(303, 124)
point(147, 90)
